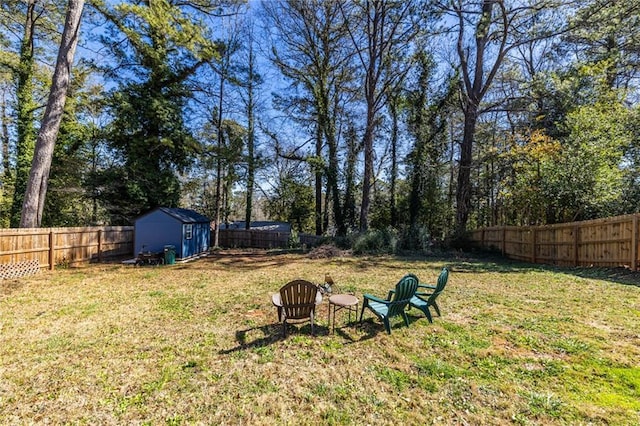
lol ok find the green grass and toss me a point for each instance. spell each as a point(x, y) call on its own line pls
point(199, 343)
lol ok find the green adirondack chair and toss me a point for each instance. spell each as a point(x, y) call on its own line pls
point(395, 303)
point(423, 300)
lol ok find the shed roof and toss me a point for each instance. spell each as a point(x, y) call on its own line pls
point(183, 215)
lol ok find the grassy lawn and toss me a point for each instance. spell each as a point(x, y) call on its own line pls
point(199, 343)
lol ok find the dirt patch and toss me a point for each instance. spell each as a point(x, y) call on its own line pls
point(327, 251)
point(9, 286)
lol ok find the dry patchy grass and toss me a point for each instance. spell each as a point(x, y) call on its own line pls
point(199, 344)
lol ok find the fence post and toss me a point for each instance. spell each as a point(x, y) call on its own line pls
point(52, 250)
point(634, 244)
point(100, 245)
point(504, 240)
point(534, 245)
point(576, 230)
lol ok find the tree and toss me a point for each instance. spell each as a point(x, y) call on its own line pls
point(224, 73)
point(163, 46)
point(311, 52)
point(253, 79)
point(427, 124)
point(78, 154)
point(292, 200)
point(387, 28)
point(25, 111)
point(496, 30)
point(36, 191)
point(609, 32)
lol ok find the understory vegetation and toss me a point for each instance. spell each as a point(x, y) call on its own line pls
point(199, 343)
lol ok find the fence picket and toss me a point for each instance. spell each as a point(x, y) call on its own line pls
point(610, 242)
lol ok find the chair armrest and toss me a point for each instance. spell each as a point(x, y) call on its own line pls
point(432, 287)
point(374, 298)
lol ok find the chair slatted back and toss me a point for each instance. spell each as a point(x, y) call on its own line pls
point(298, 299)
point(405, 289)
point(442, 282)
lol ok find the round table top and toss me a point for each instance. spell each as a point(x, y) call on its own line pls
point(343, 300)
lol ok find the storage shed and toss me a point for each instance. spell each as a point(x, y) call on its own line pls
point(188, 231)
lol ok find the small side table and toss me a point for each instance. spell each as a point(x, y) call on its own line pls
point(342, 301)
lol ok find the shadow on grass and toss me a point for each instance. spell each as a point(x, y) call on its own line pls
point(271, 334)
point(265, 335)
point(457, 262)
point(372, 326)
point(240, 259)
point(489, 263)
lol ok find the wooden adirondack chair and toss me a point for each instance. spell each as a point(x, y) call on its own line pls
point(425, 299)
point(395, 303)
point(298, 303)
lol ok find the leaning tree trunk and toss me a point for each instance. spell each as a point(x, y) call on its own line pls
point(35, 194)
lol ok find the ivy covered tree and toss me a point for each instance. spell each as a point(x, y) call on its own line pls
point(427, 124)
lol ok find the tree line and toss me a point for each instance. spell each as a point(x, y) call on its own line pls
point(426, 117)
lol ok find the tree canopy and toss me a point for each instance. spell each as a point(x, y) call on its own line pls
point(427, 117)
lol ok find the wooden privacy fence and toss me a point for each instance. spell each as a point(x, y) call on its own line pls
point(64, 246)
point(610, 242)
point(245, 238)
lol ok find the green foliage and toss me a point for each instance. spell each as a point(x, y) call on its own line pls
point(376, 241)
point(70, 200)
point(578, 174)
point(417, 239)
point(292, 202)
point(428, 116)
point(294, 239)
point(26, 106)
point(148, 133)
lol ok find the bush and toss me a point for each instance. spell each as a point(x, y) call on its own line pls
point(294, 239)
point(416, 239)
point(376, 241)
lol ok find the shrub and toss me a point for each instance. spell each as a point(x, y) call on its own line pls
point(416, 239)
point(376, 241)
point(294, 239)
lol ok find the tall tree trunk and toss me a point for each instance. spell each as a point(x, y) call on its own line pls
point(329, 124)
point(463, 192)
point(5, 136)
point(475, 89)
point(367, 181)
point(218, 195)
point(387, 32)
point(318, 181)
point(251, 132)
point(35, 195)
point(350, 177)
point(25, 108)
point(393, 111)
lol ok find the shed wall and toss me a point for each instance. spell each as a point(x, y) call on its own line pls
point(155, 230)
point(199, 242)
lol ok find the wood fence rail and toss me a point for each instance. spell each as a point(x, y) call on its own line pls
point(610, 242)
point(255, 238)
point(65, 246)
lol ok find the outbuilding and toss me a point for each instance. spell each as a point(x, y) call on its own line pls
point(187, 231)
